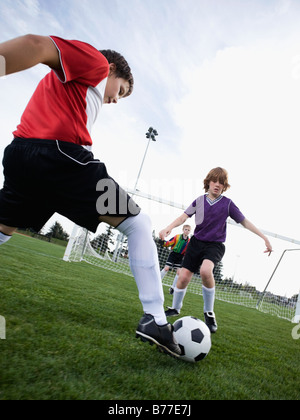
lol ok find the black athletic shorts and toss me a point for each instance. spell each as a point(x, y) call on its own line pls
point(174, 260)
point(198, 251)
point(47, 176)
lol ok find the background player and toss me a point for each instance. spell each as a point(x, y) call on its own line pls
point(178, 246)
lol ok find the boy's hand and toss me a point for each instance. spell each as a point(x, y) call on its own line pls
point(164, 233)
point(269, 247)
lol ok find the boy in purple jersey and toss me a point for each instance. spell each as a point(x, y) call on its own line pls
point(206, 247)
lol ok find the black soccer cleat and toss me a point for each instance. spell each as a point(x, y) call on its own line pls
point(162, 336)
point(172, 312)
point(210, 321)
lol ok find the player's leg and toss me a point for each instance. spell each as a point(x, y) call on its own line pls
point(22, 203)
point(208, 285)
point(171, 261)
point(164, 271)
point(7, 201)
point(75, 175)
point(190, 265)
point(208, 290)
point(6, 233)
point(144, 264)
point(115, 207)
point(180, 289)
point(213, 254)
point(172, 288)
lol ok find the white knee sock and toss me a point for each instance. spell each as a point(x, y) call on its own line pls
point(175, 281)
point(163, 273)
point(144, 265)
point(208, 298)
point(4, 238)
point(178, 297)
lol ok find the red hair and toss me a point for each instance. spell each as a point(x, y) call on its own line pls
point(217, 174)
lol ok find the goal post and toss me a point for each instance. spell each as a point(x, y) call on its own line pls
point(296, 318)
point(267, 303)
point(70, 244)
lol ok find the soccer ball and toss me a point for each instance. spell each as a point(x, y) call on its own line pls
point(193, 337)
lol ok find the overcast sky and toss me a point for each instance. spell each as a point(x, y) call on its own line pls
point(218, 79)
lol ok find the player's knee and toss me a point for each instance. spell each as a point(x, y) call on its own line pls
point(206, 274)
point(206, 270)
point(182, 283)
point(183, 280)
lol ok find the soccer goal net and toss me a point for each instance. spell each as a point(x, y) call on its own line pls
point(245, 276)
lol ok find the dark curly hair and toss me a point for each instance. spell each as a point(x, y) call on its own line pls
point(122, 68)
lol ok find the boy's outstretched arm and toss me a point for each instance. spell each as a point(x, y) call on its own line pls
point(26, 51)
point(250, 226)
point(177, 222)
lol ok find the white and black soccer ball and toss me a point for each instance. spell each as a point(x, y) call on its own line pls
point(193, 337)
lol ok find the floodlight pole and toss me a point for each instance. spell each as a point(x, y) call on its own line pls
point(151, 135)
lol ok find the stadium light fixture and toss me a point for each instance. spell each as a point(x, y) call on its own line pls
point(151, 135)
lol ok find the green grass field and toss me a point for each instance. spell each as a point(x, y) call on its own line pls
point(70, 334)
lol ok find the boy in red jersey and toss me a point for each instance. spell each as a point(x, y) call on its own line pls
point(49, 166)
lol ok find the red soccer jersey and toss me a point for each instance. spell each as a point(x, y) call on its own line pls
point(66, 103)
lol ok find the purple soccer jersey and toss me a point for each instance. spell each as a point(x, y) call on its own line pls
point(211, 217)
